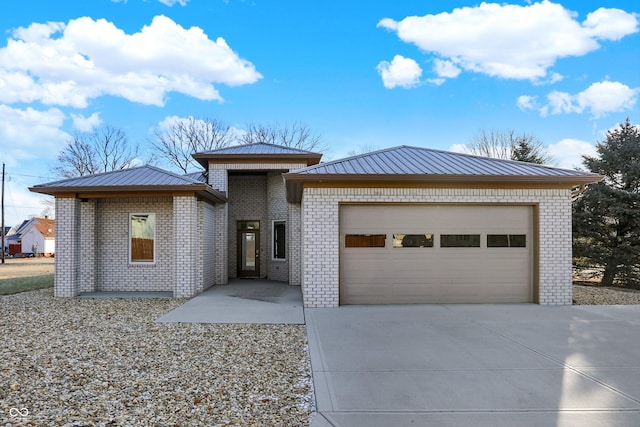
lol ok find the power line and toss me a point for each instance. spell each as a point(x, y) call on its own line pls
point(32, 176)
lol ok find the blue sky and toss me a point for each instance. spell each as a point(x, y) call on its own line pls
point(360, 74)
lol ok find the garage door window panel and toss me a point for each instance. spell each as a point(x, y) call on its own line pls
point(412, 240)
point(506, 240)
point(459, 240)
point(365, 240)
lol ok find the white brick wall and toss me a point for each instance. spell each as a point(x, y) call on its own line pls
point(185, 220)
point(247, 202)
point(219, 180)
point(207, 250)
point(294, 254)
point(277, 210)
point(67, 247)
point(114, 272)
point(87, 236)
point(320, 243)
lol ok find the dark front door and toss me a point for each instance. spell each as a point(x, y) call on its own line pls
point(248, 252)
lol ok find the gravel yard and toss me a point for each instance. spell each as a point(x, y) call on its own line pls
point(594, 295)
point(81, 362)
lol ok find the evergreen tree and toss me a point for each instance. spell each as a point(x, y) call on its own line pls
point(606, 216)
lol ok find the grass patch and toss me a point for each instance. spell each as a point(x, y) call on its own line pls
point(23, 284)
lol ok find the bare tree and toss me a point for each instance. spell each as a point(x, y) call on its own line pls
point(362, 149)
point(185, 136)
point(509, 145)
point(295, 135)
point(103, 150)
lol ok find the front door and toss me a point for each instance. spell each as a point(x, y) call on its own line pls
point(248, 249)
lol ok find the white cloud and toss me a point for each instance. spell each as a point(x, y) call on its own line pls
point(401, 71)
point(446, 69)
point(511, 41)
point(526, 102)
point(460, 148)
point(172, 2)
point(600, 99)
point(70, 64)
point(568, 152)
point(29, 133)
point(610, 24)
point(86, 124)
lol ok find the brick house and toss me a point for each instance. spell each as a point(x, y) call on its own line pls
point(399, 225)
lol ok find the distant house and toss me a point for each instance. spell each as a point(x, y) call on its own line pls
point(35, 236)
point(394, 226)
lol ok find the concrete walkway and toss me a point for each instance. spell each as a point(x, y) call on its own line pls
point(242, 301)
point(476, 365)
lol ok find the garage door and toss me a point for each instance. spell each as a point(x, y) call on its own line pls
point(411, 253)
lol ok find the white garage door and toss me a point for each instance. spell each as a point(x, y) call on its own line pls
point(412, 253)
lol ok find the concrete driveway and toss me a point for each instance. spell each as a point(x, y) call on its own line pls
point(476, 365)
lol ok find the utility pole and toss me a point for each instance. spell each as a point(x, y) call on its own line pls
point(2, 207)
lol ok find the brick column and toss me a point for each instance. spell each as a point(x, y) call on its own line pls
point(294, 239)
point(87, 279)
point(219, 179)
point(186, 245)
point(67, 247)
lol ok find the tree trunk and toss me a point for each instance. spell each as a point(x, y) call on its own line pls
point(610, 272)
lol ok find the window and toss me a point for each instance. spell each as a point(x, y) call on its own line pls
point(279, 240)
point(142, 232)
point(365, 240)
point(459, 240)
point(413, 240)
point(506, 240)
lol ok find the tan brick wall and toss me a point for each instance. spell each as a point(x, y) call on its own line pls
point(320, 224)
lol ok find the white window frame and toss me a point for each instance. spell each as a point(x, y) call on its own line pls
point(273, 240)
point(155, 234)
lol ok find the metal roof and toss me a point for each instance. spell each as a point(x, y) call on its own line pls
point(257, 148)
point(257, 152)
point(406, 160)
point(417, 164)
point(198, 176)
point(143, 178)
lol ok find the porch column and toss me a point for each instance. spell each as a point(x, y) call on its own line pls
point(185, 227)
point(219, 179)
point(67, 261)
point(87, 279)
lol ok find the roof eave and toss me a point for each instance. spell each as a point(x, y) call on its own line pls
point(295, 181)
point(202, 190)
point(309, 159)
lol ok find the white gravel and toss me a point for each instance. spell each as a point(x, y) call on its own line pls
point(90, 362)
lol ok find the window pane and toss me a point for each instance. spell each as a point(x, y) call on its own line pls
point(143, 230)
point(506, 240)
point(279, 233)
point(365, 240)
point(412, 240)
point(459, 240)
point(497, 241)
point(518, 240)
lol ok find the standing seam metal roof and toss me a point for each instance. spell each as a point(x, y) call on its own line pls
point(406, 160)
point(138, 176)
point(257, 148)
